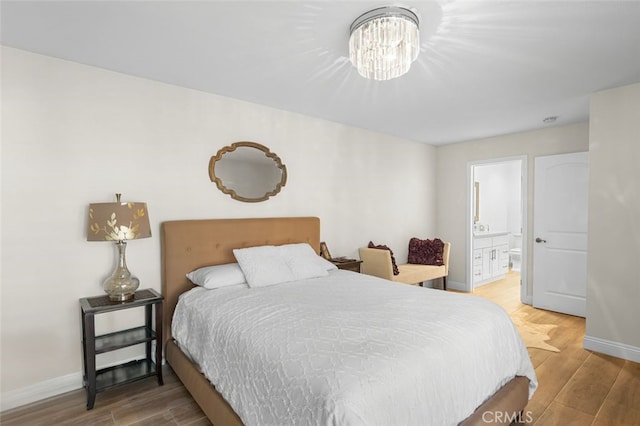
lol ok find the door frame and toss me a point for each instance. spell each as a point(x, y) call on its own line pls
point(524, 178)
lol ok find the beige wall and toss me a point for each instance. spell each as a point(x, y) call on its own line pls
point(452, 182)
point(74, 134)
point(613, 293)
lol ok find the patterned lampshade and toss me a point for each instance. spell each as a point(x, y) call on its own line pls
point(118, 221)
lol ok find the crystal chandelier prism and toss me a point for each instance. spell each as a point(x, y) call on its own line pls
point(384, 42)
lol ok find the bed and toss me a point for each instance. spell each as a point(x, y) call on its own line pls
point(191, 244)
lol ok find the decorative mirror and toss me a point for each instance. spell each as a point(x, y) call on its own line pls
point(248, 172)
point(476, 202)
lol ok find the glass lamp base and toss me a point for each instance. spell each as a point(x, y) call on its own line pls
point(121, 297)
point(121, 285)
point(121, 288)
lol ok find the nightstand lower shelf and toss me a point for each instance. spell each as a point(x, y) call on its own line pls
point(124, 373)
point(122, 339)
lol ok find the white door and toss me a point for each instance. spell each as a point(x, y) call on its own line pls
point(560, 233)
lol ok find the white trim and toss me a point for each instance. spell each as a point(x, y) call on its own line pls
point(525, 296)
point(41, 390)
point(50, 388)
point(468, 246)
point(619, 350)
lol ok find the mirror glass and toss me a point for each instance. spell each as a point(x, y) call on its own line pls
point(476, 202)
point(247, 171)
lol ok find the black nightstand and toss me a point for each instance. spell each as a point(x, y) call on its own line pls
point(347, 264)
point(96, 381)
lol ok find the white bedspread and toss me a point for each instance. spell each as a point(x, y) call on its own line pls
point(350, 349)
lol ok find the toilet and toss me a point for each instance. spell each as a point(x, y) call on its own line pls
point(515, 252)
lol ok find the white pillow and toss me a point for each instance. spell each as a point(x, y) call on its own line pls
point(217, 276)
point(263, 266)
point(303, 261)
point(268, 265)
point(326, 264)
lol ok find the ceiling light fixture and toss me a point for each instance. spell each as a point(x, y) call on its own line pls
point(384, 42)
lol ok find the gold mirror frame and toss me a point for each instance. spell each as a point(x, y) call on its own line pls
point(231, 192)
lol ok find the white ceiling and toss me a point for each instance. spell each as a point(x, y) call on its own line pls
point(485, 68)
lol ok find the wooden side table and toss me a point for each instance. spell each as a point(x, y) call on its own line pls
point(347, 264)
point(96, 381)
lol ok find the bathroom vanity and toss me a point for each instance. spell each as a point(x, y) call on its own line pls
point(490, 257)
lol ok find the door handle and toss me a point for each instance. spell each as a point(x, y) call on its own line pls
point(540, 240)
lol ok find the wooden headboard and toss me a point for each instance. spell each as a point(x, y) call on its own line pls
point(192, 244)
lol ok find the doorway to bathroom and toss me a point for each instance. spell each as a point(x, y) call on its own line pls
point(497, 223)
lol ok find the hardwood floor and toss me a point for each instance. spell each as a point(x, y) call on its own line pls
point(577, 387)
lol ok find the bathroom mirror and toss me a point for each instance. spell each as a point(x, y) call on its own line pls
point(247, 171)
point(476, 202)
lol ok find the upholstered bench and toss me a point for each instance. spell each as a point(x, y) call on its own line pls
point(377, 262)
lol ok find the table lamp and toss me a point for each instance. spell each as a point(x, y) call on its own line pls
point(119, 222)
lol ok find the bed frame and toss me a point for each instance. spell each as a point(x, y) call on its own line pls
point(191, 244)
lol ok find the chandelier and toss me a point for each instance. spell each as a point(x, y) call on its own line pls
point(384, 42)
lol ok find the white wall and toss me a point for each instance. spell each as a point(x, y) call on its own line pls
point(613, 290)
point(452, 182)
point(74, 134)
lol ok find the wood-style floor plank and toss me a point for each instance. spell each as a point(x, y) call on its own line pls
point(553, 375)
point(622, 406)
point(576, 387)
point(588, 388)
point(626, 389)
point(558, 414)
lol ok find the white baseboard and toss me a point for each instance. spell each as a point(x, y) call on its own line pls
point(42, 390)
point(49, 388)
point(619, 350)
